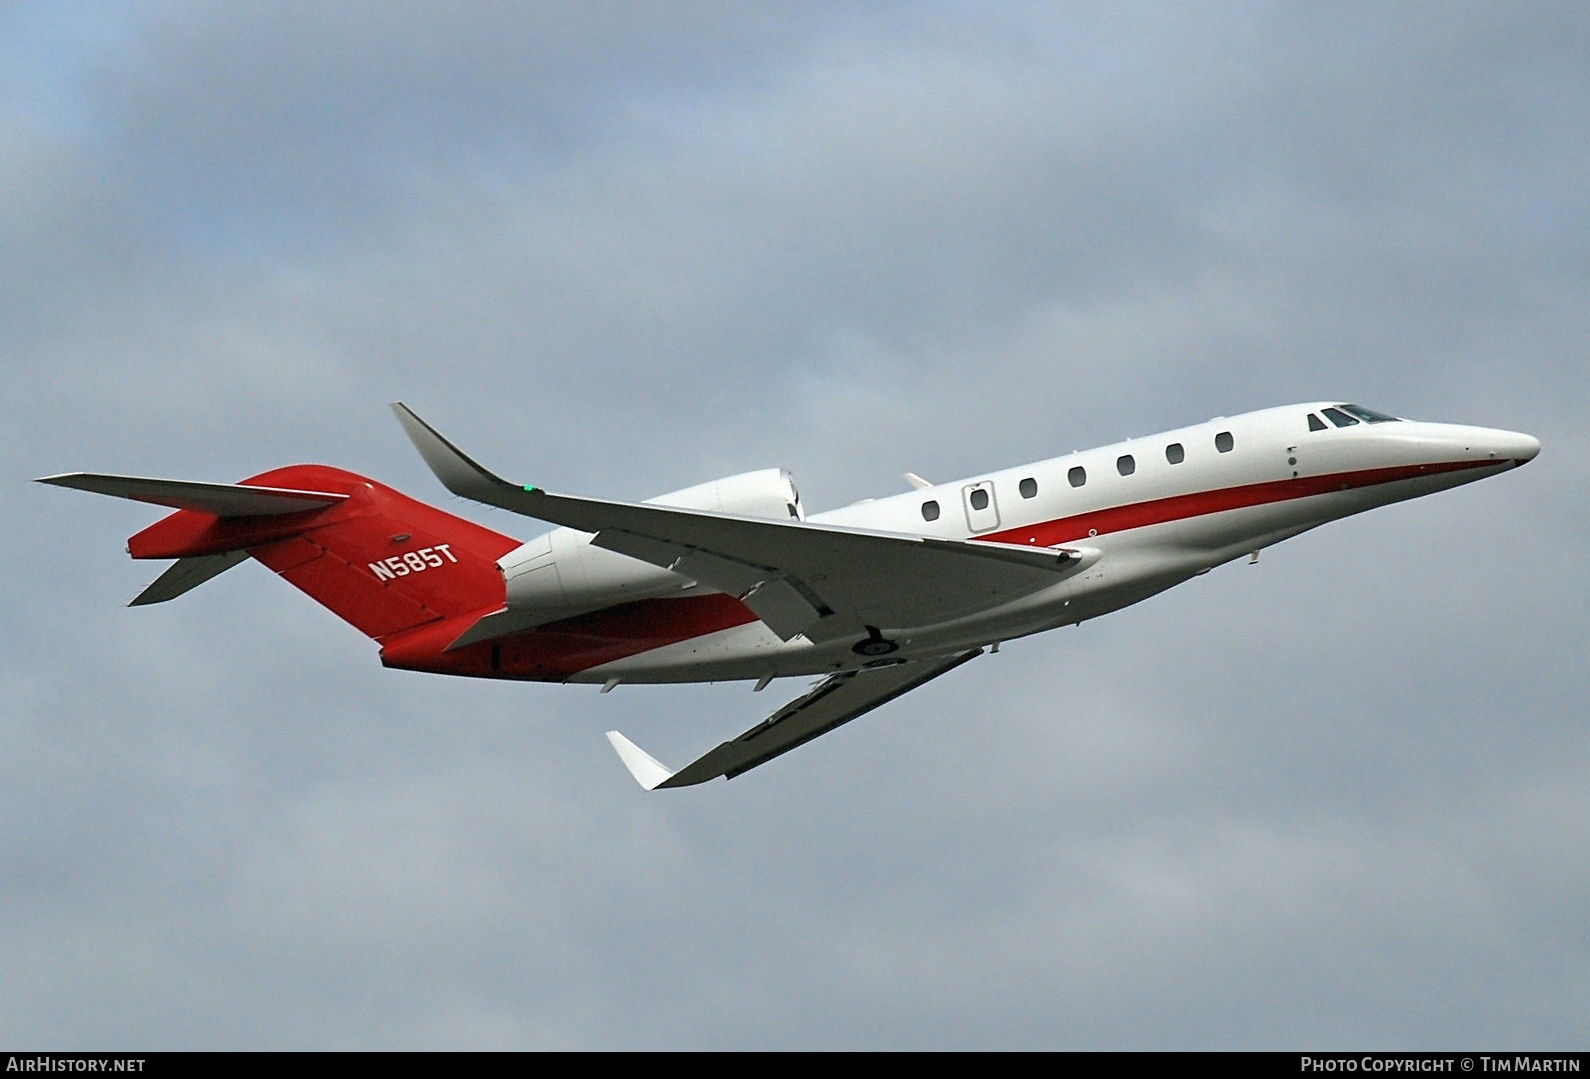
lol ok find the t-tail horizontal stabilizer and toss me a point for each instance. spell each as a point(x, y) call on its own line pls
point(186, 574)
point(234, 501)
point(834, 701)
point(218, 499)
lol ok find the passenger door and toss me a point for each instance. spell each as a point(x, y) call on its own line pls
point(982, 510)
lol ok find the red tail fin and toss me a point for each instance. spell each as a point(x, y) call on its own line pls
point(379, 560)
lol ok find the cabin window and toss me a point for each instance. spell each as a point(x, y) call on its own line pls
point(1029, 488)
point(1223, 442)
point(1175, 454)
point(930, 511)
point(1125, 465)
point(979, 498)
point(1078, 476)
point(1315, 423)
point(1338, 417)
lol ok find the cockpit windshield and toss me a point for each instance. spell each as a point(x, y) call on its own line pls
point(1368, 415)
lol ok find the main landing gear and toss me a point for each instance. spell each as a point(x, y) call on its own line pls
point(874, 645)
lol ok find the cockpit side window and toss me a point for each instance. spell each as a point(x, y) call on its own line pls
point(1338, 417)
point(1368, 415)
point(1315, 423)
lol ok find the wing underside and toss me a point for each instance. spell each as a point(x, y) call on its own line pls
point(835, 701)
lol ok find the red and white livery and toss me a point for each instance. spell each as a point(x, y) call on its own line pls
point(732, 579)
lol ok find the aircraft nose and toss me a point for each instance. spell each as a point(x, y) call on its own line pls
point(1511, 446)
point(1521, 448)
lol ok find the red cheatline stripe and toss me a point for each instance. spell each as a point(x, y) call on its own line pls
point(557, 650)
point(1200, 503)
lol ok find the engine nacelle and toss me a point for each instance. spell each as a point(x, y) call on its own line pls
point(768, 493)
point(560, 573)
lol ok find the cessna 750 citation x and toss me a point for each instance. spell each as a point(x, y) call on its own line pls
point(732, 580)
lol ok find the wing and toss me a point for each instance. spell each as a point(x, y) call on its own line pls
point(799, 577)
point(836, 700)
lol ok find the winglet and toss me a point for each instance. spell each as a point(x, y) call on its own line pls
point(648, 771)
point(458, 472)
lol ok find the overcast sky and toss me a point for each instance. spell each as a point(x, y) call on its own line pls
point(1341, 798)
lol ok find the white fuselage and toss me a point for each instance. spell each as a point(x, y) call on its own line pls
point(1241, 483)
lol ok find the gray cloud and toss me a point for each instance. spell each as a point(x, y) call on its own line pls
point(1336, 799)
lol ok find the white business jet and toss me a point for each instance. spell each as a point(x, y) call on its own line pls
point(732, 580)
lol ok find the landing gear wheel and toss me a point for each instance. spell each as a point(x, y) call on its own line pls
point(874, 645)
